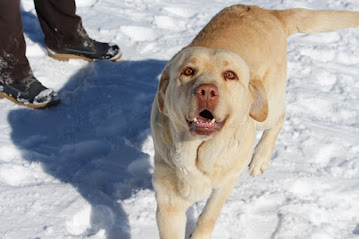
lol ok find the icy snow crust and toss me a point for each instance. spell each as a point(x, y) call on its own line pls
point(83, 169)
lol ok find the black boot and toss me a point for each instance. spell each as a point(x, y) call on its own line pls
point(90, 50)
point(29, 92)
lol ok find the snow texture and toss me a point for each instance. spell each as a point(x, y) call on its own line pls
point(83, 169)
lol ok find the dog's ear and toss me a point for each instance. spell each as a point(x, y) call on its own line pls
point(259, 107)
point(162, 87)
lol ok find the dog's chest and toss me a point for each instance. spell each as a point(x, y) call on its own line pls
point(215, 160)
point(227, 156)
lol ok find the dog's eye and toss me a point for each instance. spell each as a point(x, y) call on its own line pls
point(230, 75)
point(188, 71)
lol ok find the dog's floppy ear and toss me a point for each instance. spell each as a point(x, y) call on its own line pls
point(162, 87)
point(259, 107)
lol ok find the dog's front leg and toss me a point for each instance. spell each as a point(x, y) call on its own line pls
point(263, 151)
point(171, 206)
point(208, 217)
point(171, 220)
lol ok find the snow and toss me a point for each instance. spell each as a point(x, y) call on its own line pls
point(83, 169)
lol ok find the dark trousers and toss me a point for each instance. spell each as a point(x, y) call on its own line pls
point(61, 26)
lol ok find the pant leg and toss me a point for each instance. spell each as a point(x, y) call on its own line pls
point(13, 62)
point(60, 24)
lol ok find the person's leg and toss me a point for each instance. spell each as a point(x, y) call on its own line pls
point(65, 36)
point(16, 80)
point(60, 24)
point(14, 65)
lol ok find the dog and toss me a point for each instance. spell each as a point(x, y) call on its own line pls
point(212, 97)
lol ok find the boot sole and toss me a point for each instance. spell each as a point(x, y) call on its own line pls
point(67, 57)
point(33, 106)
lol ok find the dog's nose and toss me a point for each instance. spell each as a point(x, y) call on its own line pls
point(207, 95)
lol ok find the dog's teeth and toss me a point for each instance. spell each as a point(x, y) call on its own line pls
point(195, 120)
point(213, 120)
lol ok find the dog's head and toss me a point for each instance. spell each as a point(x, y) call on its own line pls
point(203, 90)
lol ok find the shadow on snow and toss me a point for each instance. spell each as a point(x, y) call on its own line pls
point(95, 134)
point(93, 139)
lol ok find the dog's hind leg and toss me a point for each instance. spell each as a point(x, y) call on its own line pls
point(208, 217)
point(263, 151)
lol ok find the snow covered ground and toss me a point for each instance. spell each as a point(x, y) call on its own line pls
point(83, 169)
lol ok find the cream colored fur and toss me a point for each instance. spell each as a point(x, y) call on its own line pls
point(251, 42)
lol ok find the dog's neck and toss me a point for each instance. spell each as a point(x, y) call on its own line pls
point(210, 153)
point(184, 150)
point(191, 154)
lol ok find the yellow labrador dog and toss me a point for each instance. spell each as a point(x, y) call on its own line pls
point(212, 97)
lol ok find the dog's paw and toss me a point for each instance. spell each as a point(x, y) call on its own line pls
point(258, 165)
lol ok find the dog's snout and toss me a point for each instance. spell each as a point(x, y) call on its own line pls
point(207, 95)
point(207, 91)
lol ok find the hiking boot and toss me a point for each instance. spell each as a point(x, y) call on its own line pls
point(90, 50)
point(29, 92)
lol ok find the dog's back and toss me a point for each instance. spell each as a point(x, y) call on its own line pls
point(249, 30)
point(260, 35)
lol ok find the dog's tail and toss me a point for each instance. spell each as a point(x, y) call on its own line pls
point(313, 21)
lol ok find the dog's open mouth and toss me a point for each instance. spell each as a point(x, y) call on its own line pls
point(205, 123)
